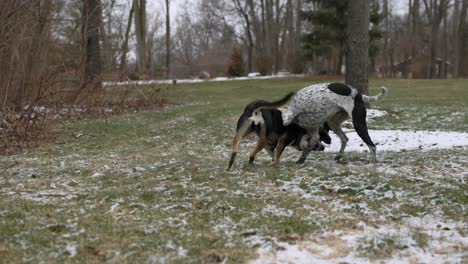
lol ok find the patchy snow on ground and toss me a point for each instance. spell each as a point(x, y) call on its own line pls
point(405, 209)
point(399, 140)
point(197, 80)
point(352, 246)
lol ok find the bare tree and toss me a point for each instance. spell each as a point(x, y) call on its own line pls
point(168, 41)
point(461, 49)
point(294, 57)
point(90, 30)
point(140, 32)
point(40, 13)
point(242, 9)
point(124, 50)
point(357, 51)
point(435, 12)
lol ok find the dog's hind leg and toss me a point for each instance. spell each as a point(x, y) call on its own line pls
point(241, 132)
point(280, 146)
point(335, 125)
point(260, 145)
point(360, 125)
point(271, 151)
point(343, 139)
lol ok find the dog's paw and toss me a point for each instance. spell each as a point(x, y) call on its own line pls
point(342, 161)
point(300, 161)
point(275, 163)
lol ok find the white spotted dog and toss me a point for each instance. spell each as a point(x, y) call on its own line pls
point(330, 103)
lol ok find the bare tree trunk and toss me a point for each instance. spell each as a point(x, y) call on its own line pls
point(168, 41)
point(357, 52)
point(291, 36)
point(244, 13)
point(455, 32)
point(123, 58)
point(140, 32)
point(275, 38)
point(386, 57)
point(41, 10)
point(435, 11)
point(414, 9)
point(298, 58)
point(463, 40)
point(105, 32)
point(263, 62)
point(444, 71)
point(92, 15)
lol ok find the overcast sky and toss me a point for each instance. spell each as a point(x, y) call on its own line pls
point(178, 6)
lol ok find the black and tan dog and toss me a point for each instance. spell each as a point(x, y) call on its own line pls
point(265, 120)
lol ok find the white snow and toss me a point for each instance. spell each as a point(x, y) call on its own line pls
point(97, 175)
point(344, 246)
point(253, 76)
point(400, 140)
point(72, 249)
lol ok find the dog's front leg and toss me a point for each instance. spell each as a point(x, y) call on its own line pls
point(305, 153)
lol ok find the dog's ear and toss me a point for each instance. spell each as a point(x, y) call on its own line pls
point(324, 136)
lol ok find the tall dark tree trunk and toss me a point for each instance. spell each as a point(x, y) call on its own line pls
point(168, 41)
point(456, 19)
point(140, 32)
point(298, 55)
point(91, 24)
point(435, 11)
point(357, 48)
point(386, 52)
point(30, 67)
point(107, 55)
point(244, 13)
point(415, 28)
point(123, 58)
point(462, 41)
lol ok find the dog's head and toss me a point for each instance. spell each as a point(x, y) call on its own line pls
point(305, 143)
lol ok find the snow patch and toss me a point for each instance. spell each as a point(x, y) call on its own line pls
point(72, 249)
point(252, 76)
point(400, 140)
point(446, 245)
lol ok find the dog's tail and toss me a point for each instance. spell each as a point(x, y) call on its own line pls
point(259, 105)
point(380, 96)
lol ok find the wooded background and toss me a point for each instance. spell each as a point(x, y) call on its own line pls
point(49, 48)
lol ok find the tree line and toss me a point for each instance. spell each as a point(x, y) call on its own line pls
point(56, 48)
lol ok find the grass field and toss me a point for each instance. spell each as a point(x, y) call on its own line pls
point(151, 187)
